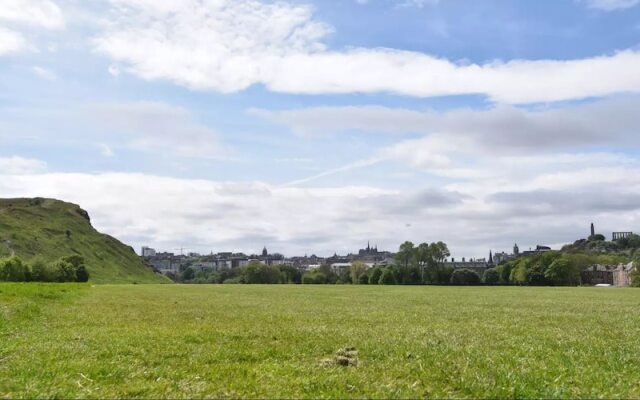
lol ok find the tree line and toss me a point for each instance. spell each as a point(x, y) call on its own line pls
point(422, 264)
point(65, 269)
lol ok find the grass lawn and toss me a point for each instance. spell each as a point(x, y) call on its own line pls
point(270, 341)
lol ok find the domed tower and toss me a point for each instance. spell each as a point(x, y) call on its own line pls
point(516, 250)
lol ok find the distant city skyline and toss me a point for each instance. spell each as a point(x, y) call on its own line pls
point(312, 126)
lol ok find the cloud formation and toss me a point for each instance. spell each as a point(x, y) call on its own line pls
point(228, 46)
point(223, 216)
point(36, 13)
point(154, 126)
point(611, 5)
point(16, 165)
point(10, 41)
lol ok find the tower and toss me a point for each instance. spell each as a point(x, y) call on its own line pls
point(593, 230)
point(516, 250)
point(264, 252)
point(490, 257)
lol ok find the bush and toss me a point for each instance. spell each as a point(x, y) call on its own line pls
point(465, 277)
point(388, 277)
point(363, 279)
point(491, 276)
point(13, 269)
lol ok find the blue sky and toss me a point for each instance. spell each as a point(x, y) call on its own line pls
point(312, 127)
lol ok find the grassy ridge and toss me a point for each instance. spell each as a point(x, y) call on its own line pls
point(52, 229)
point(270, 341)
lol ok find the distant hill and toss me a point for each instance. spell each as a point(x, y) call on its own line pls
point(52, 229)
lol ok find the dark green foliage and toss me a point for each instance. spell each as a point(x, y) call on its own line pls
point(598, 237)
point(82, 275)
point(465, 277)
point(187, 275)
point(258, 273)
point(314, 277)
point(363, 279)
point(374, 276)
point(41, 271)
point(13, 269)
point(388, 277)
point(64, 271)
point(74, 260)
point(562, 273)
point(290, 274)
point(491, 276)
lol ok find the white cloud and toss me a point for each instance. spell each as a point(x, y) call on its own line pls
point(10, 41)
point(500, 128)
point(16, 165)
point(44, 73)
point(156, 127)
point(228, 46)
point(611, 5)
point(38, 13)
point(223, 216)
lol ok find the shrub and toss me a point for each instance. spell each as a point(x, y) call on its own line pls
point(491, 276)
point(363, 279)
point(465, 277)
point(13, 269)
point(388, 277)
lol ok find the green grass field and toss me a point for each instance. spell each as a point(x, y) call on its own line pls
point(270, 341)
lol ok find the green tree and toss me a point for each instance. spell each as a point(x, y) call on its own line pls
point(64, 271)
point(465, 277)
point(406, 254)
point(82, 275)
point(13, 269)
point(374, 276)
point(387, 277)
point(357, 269)
point(363, 279)
point(188, 274)
point(41, 272)
point(561, 272)
point(258, 273)
point(491, 276)
point(290, 274)
point(315, 277)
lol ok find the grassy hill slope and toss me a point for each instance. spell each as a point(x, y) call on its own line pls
point(52, 229)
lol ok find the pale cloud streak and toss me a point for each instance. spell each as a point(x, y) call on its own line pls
point(155, 127)
point(611, 5)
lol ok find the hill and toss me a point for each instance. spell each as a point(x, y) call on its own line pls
point(52, 229)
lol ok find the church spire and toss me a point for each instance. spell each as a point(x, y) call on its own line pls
point(491, 257)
